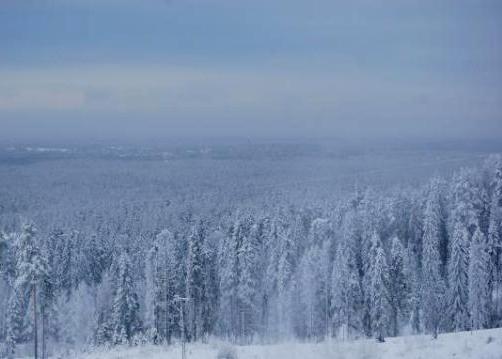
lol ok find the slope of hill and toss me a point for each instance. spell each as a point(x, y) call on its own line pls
point(483, 344)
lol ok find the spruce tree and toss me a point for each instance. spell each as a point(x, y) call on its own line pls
point(4, 248)
point(494, 249)
point(169, 281)
point(227, 259)
point(125, 307)
point(14, 323)
point(247, 289)
point(152, 294)
point(32, 272)
point(378, 291)
point(195, 282)
point(433, 287)
point(479, 277)
point(399, 287)
point(285, 270)
point(308, 283)
point(347, 296)
point(457, 278)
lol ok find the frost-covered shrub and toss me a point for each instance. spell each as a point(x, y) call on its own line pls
point(140, 339)
point(227, 352)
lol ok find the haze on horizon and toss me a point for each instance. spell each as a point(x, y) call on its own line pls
point(134, 69)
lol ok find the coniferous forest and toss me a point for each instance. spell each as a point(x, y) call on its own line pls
point(79, 269)
point(260, 179)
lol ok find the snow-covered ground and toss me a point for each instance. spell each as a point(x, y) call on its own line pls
point(485, 344)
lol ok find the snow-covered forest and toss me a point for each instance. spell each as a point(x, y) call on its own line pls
point(225, 179)
point(88, 261)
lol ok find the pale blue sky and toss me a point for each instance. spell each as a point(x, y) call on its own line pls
point(276, 68)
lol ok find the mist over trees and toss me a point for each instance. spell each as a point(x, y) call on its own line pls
point(374, 263)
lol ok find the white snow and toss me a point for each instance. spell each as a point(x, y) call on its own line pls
point(484, 344)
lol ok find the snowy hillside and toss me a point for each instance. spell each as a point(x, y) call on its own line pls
point(483, 344)
point(375, 263)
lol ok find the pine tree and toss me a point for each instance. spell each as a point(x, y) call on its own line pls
point(125, 307)
point(285, 270)
point(105, 294)
point(466, 200)
point(210, 283)
point(494, 249)
point(371, 218)
point(378, 291)
point(152, 294)
point(47, 298)
point(247, 290)
point(347, 296)
point(14, 323)
point(457, 278)
point(64, 263)
point(413, 272)
point(479, 277)
point(31, 273)
point(227, 259)
point(271, 259)
point(497, 182)
point(306, 278)
point(94, 258)
point(4, 247)
point(413, 265)
point(433, 288)
point(325, 290)
point(167, 281)
point(399, 288)
point(494, 244)
point(195, 282)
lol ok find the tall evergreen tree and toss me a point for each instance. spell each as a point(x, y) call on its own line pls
point(194, 282)
point(4, 247)
point(308, 283)
point(399, 287)
point(227, 259)
point(14, 323)
point(378, 290)
point(249, 279)
point(494, 245)
point(347, 296)
point(466, 200)
point(457, 278)
point(31, 273)
point(152, 293)
point(479, 277)
point(209, 308)
point(285, 270)
point(433, 287)
point(125, 307)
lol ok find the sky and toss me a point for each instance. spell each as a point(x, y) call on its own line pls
point(143, 69)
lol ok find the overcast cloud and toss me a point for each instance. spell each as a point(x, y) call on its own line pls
point(263, 68)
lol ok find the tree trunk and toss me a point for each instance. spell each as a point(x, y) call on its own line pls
point(44, 322)
point(394, 322)
point(35, 317)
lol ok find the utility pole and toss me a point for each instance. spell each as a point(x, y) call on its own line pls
point(181, 301)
